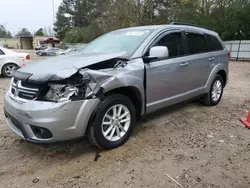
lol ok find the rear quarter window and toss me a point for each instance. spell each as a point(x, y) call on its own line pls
point(213, 43)
point(1, 52)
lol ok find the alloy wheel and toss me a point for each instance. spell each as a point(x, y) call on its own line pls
point(116, 122)
point(9, 69)
point(217, 90)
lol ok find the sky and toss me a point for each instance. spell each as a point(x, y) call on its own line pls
point(30, 14)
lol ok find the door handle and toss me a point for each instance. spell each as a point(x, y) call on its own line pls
point(184, 64)
point(211, 59)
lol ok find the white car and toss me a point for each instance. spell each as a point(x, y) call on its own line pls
point(10, 61)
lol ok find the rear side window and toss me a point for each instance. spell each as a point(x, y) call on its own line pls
point(1, 52)
point(196, 43)
point(213, 43)
point(174, 43)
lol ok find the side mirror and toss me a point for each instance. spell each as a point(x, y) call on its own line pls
point(159, 52)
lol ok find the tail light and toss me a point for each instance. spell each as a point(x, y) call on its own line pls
point(229, 54)
point(27, 57)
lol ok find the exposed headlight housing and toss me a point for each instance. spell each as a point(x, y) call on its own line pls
point(76, 89)
point(61, 93)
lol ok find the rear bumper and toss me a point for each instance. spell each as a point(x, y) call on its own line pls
point(64, 121)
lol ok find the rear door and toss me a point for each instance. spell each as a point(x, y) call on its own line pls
point(217, 53)
point(198, 60)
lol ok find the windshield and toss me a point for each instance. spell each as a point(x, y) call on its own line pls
point(127, 41)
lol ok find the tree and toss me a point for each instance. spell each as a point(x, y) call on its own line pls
point(23, 33)
point(79, 35)
point(45, 31)
point(80, 18)
point(62, 24)
point(4, 33)
point(77, 13)
point(39, 32)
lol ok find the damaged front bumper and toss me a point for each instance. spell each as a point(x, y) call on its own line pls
point(45, 122)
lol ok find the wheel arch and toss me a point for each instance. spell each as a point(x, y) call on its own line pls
point(133, 94)
point(223, 74)
point(219, 69)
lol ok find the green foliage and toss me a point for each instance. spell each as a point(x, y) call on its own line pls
point(23, 33)
point(87, 19)
point(62, 24)
point(39, 32)
point(86, 34)
point(4, 33)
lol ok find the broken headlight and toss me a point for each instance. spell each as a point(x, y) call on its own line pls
point(61, 93)
point(76, 89)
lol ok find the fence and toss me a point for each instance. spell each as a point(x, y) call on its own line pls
point(240, 49)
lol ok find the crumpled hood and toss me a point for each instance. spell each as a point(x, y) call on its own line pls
point(61, 67)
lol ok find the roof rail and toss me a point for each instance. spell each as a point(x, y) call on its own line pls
point(180, 23)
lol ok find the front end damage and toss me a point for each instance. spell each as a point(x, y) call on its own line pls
point(86, 83)
point(64, 103)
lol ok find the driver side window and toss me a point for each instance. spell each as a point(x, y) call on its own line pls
point(174, 43)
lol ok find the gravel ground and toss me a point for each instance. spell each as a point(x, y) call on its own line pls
point(196, 145)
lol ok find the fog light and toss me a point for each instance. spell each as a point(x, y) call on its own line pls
point(41, 132)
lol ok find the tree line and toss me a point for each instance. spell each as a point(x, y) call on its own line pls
point(24, 32)
point(84, 20)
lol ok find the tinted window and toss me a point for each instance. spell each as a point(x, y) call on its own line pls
point(1, 52)
point(174, 43)
point(213, 43)
point(196, 43)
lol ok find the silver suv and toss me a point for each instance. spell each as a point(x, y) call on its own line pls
point(119, 77)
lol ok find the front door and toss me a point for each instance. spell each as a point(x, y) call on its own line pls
point(167, 78)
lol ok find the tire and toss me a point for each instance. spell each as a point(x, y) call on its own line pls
point(209, 99)
point(96, 131)
point(8, 69)
point(44, 54)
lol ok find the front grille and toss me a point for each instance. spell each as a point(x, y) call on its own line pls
point(29, 85)
point(24, 90)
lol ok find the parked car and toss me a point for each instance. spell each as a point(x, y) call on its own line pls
point(42, 47)
point(119, 77)
point(63, 52)
point(10, 61)
point(47, 52)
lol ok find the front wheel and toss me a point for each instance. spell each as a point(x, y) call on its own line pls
point(113, 122)
point(215, 93)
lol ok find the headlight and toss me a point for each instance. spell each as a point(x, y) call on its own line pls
point(77, 89)
point(61, 93)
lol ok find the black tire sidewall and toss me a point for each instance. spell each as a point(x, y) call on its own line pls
point(97, 123)
point(217, 77)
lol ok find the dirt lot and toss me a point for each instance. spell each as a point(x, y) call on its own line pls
point(196, 145)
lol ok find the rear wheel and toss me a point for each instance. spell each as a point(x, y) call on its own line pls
point(214, 95)
point(9, 69)
point(113, 122)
